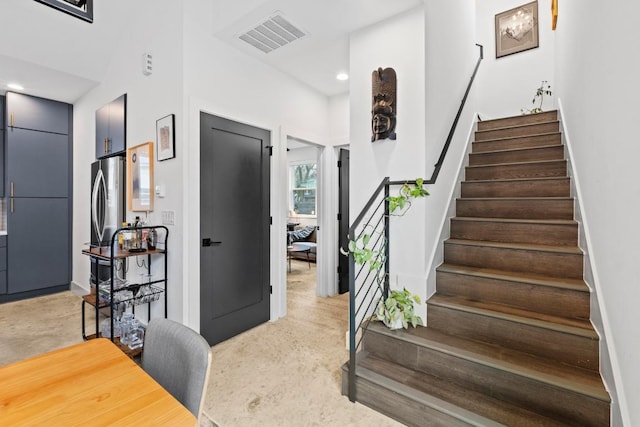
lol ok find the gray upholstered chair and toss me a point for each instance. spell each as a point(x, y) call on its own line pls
point(179, 359)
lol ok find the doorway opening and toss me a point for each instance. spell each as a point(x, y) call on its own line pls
point(303, 207)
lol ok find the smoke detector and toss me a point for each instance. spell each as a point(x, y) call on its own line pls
point(272, 33)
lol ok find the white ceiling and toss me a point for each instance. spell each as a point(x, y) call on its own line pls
point(61, 57)
point(324, 52)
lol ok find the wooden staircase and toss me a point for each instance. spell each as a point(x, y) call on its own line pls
point(509, 341)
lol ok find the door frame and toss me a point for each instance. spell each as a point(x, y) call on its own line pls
point(327, 235)
point(191, 206)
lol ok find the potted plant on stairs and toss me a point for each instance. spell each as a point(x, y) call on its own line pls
point(397, 310)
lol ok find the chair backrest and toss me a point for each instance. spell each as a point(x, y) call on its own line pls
point(179, 359)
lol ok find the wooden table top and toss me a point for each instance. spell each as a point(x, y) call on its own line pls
point(92, 383)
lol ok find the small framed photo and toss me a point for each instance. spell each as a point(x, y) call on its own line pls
point(517, 29)
point(82, 9)
point(165, 137)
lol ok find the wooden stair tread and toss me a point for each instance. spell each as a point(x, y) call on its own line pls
point(522, 117)
point(502, 199)
point(517, 220)
point(537, 368)
point(529, 162)
point(577, 327)
point(517, 180)
point(466, 405)
point(506, 138)
point(515, 149)
point(574, 250)
point(537, 279)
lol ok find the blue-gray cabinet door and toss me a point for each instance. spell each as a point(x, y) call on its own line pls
point(38, 163)
point(2, 163)
point(38, 251)
point(31, 112)
point(111, 128)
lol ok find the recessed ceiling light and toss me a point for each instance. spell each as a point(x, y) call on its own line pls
point(342, 76)
point(15, 86)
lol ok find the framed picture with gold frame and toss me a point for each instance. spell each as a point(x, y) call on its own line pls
point(517, 29)
point(140, 188)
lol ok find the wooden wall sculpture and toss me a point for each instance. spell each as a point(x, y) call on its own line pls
point(383, 109)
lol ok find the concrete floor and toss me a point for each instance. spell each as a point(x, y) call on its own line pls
point(283, 373)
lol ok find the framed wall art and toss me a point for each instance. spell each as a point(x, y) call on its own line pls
point(517, 29)
point(165, 137)
point(140, 188)
point(82, 9)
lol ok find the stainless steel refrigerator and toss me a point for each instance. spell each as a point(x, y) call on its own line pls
point(107, 199)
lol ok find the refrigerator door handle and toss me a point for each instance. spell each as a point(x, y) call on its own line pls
point(97, 204)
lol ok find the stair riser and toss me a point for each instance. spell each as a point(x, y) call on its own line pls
point(557, 168)
point(559, 187)
point(563, 347)
point(405, 410)
point(519, 142)
point(497, 231)
point(514, 208)
point(495, 382)
point(510, 132)
point(553, 264)
point(548, 116)
point(533, 395)
point(515, 156)
point(528, 296)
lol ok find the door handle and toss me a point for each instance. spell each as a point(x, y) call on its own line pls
point(207, 242)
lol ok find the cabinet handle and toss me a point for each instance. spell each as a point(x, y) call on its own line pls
point(12, 205)
point(11, 120)
point(104, 144)
point(11, 188)
point(108, 145)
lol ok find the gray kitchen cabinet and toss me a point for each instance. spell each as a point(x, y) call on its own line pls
point(39, 163)
point(111, 128)
point(30, 112)
point(38, 251)
point(38, 149)
point(3, 265)
point(2, 164)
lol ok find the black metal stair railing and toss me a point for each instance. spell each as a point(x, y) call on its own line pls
point(369, 282)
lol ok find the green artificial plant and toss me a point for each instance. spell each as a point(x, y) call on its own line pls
point(397, 310)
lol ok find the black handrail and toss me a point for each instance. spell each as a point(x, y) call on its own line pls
point(383, 292)
point(443, 154)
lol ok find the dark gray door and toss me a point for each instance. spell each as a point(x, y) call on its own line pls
point(234, 227)
point(343, 220)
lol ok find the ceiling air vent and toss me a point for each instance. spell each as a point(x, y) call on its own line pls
point(272, 34)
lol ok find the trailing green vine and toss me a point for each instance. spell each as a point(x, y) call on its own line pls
point(360, 249)
point(407, 193)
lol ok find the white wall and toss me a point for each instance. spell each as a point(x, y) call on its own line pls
point(397, 43)
point(338, 127)
point(450, 62)
point(227, 83)
point(149, 98)
point(507, 84)
point(599, 90)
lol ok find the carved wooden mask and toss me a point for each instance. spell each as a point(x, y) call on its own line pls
point(383, 104)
